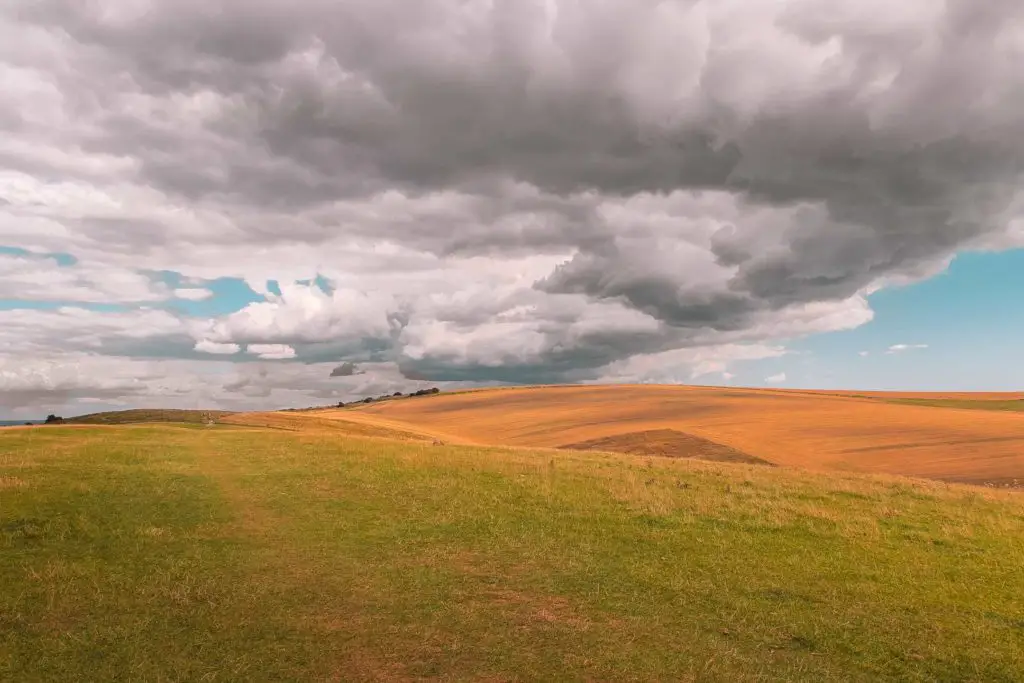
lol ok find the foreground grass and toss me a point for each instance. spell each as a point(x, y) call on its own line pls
point(231, 553)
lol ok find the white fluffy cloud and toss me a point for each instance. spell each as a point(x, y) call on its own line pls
point(900, 348)
point(217, 349)
point(306, 314)
point(271, 351)
point(193, 293)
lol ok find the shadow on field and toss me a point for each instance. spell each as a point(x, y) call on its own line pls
point(668, 443)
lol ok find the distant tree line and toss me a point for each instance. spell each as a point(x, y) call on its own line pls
point(386, 397)
point(370, 399)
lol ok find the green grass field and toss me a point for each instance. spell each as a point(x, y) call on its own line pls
point(181, 553)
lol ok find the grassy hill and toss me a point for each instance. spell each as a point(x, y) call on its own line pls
point(145, 415)
point(251, 552)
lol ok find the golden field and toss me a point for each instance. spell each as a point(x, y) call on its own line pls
point(864, 432)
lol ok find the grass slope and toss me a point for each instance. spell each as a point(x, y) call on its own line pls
point(237, 553)
point(143, 415)
point(307, 424)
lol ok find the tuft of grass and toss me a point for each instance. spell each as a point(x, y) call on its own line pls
point(165, 553)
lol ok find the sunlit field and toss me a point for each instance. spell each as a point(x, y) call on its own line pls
point(959, 438)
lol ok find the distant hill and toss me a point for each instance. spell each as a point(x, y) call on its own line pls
point(119, 417)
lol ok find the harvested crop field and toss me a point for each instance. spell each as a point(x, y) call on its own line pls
point(667, 443)
point(814, 430)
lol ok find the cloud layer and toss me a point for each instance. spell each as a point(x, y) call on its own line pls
point(500, 190)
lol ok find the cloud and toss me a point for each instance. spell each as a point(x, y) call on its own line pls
point(686, 365)
point(27, 333)
point(206, 346)
point(776, 379)
point(864, 354)
point(899, 348)
point(345, 370)
point(50, 382)
point(500, 191)
point(271, 351)
point(193, 294)
point(33, 277)
point(307, 314)
point(76, 383)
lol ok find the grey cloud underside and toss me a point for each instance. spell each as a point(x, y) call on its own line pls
point(709, 165)
point(344, 370)
point(56, 396)
point(576, 364)
point(524, 374)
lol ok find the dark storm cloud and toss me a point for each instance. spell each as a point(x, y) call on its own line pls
point(613, 273)
point(344, 370)
point(392, 92)
point(842, 142)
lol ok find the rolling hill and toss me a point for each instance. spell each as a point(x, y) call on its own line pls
point(935, 436)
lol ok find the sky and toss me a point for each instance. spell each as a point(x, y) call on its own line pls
point(250, 204)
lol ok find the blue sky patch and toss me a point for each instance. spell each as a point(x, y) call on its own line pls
point(229, 295)
point(62, 259)
point(971, 318)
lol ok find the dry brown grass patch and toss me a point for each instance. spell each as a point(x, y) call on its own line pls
point(11, 482)
point(531, 608)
